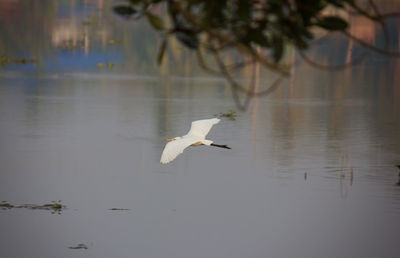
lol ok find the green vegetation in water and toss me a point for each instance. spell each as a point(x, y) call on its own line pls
point(79, 246)
point(6, 60)
point(5, 205)
point(108, 65)
point(71, 45)
point(230, 114)
point(114, 41)
point(54, 206)
point(90, 23)
point(92, 20)
point(24, 61)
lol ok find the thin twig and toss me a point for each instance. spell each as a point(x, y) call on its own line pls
point(330, 67)
point(203, 64)
point(381, 21)
point(367, 45)
point(235, 86)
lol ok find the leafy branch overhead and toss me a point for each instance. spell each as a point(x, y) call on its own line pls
point(260, 30)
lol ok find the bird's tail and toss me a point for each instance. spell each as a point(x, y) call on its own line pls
point(221, 146)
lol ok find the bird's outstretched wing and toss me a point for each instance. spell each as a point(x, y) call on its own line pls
point(174, 148)
point(202, 127)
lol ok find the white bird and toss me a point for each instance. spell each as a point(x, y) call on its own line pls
point(195, 137)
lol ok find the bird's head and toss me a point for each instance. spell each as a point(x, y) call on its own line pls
point(173, 139)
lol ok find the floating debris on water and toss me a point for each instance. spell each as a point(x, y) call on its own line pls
point(6, 60)
point(5, 205)
point(351, 176)
point(91, 20)
point(70, 47)
point(24, 61)
point(109, 64)
point(69, 44)
point(54, 206)
point(119, 209)
point(114, 41)
point(90, 23)
point(79, 246)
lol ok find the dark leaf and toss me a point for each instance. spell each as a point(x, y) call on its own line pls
point(161, 51)
point(332, 23)
point(277, 48)
point(258, 38)
point(305, 32)
point(188, 39)
point(336, 3)
point(155, 21)
point(244, 9)
point(124, 10)
point(135, 2)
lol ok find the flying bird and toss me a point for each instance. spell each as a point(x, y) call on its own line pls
point(195, 137)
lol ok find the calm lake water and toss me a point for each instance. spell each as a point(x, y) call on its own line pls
point(311, 172)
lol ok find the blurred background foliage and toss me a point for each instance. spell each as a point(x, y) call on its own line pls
point(240, 42)
point(255, 31)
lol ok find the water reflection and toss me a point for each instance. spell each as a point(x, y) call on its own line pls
point(313, 164)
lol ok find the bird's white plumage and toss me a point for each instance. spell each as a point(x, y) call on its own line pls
point(174, 148)
point(197, 133)
point(202, 127)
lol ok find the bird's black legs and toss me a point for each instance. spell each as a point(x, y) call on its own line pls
point(221, 146)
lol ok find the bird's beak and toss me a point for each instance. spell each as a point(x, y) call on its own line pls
point(169, 140)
